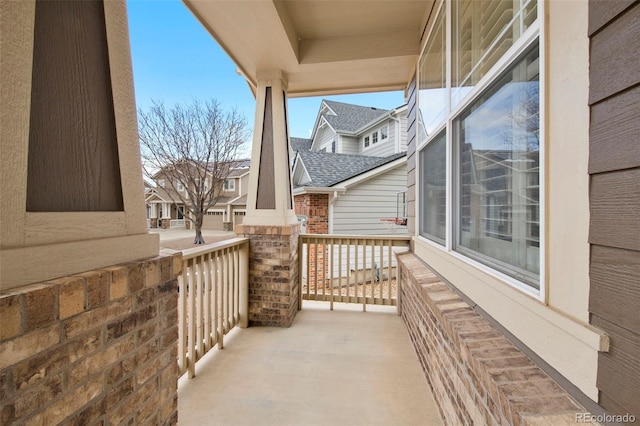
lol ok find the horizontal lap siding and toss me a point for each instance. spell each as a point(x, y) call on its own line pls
point(359, 210)
point(350, 145)
point(614, 166)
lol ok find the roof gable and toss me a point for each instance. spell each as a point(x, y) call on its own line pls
point(326, 169)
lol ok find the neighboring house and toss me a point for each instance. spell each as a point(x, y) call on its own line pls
point(165, 210)
point(351, 175)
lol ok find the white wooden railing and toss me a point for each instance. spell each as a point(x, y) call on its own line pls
point(350, 268)
point(213, 298)
point(176, 223)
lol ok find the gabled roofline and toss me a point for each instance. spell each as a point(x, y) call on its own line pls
point(299, 163)
point(323, 121)
point(354, 180)
point(377, 121)
point(315, 125)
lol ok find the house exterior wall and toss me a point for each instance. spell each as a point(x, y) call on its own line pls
point(350, 145)
point(324, 138)
point(614, 168)
point(554, 322)
point(316, 208)
point(360, 209)
point(382, 148)
point(94, 348)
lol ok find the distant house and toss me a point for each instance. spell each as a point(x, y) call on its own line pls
point(165, 210)
point(350, 176)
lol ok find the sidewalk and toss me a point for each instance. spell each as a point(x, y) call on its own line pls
point(179, 239)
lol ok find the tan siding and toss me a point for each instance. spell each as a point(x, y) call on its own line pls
point(614, 165)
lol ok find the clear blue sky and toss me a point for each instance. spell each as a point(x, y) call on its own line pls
point(176, 61)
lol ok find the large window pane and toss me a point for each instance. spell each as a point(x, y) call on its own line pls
point(432, 94)
point(433, 168)
point(482, 31)
point(497, 144)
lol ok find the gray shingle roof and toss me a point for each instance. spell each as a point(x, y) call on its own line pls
point(300, 144)
point(350, 117)
point(328, 169)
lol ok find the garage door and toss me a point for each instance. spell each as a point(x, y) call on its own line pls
point(213, 221)
point(237, 218)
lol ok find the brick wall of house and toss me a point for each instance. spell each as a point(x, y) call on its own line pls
point(98, 347)
point(477, 375)
point(273, 273)
point(316, 208)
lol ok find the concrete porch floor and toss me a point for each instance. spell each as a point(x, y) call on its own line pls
point(341, 367)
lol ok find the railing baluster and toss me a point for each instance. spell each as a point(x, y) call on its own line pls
point(364, 275)
point(340, 269)
point(380, 271)
point(191, 359)
point(389, 274)
point(206, 279)
point(331, 246)
point(182, 323)
point(199, 307)
point(216, 297)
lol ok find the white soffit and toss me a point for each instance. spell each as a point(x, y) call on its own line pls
point(323, 46)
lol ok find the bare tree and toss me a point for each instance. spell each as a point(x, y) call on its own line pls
point(194, 148)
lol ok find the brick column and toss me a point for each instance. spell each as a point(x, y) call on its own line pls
point(316, 208)
point(271, 224)
point(273, 273)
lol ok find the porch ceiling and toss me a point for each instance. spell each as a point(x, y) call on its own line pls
point(324, 47)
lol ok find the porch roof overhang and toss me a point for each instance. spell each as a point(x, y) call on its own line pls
point(323, 47)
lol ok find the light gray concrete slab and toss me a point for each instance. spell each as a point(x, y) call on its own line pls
point(341, 367)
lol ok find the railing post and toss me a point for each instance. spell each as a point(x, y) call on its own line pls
point(243, 272)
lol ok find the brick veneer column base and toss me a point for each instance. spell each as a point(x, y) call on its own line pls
point(273, 273)
point(94, 348)
point(477, 375)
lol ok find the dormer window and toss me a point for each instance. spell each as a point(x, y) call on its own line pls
point(384, 133)
point(374, 137)
point(366, 141)
point(229, 185)
point(180, 187)
point(333, 146)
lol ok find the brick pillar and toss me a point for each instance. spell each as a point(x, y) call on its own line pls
point(316, 208)
point(93, 348)
point(273, 273)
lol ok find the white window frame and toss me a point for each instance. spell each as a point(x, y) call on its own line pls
point(229, 185)
point(180, 186)
point(366, 141)
point(384, 136)
point(533, 34)
point(374, 137)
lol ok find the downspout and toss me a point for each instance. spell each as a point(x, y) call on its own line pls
point(398, 143)
point(332, 198)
